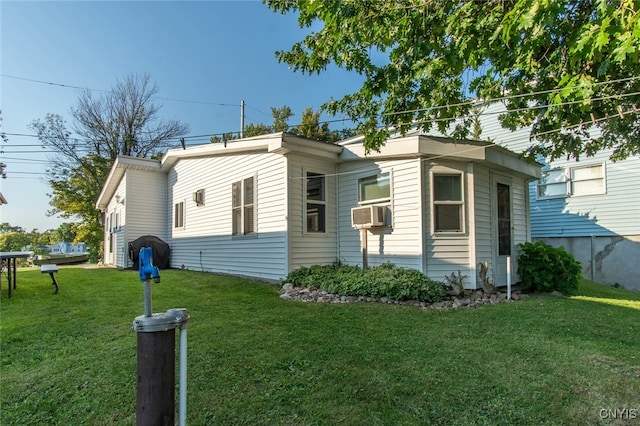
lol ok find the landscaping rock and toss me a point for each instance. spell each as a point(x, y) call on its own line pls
point(471, 298)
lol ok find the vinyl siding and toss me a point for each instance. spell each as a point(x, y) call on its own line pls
point(446, 253)
point(145, 204)
point(306, 249)
point(483, 216)
point(613, 213)
point(609, 214)
point(116, 215)
point(400, 243)
point(206, 242)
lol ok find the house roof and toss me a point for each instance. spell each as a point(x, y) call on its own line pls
point(2, 199)
point(277, 143)
point(415, 144)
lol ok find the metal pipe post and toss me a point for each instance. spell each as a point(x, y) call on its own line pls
point(148, 309)
point(156, 379)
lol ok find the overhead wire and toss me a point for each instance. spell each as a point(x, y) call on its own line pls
point(205, 137)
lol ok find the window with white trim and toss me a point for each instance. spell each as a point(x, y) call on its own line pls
point(587, 180)
point(448, 202)
point(316, 203)
point(572, 181)
point(243, 207)
point(553, 184)
point(178, 215)
point(374, 189)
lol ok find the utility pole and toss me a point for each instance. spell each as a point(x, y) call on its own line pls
point(241, 119)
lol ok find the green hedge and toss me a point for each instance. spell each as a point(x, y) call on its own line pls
point(385, 280)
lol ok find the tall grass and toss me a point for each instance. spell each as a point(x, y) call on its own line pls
point(255, 359)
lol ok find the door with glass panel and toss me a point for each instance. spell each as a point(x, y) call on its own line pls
point(502, 230)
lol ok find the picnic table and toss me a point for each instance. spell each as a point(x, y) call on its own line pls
point(10, 258)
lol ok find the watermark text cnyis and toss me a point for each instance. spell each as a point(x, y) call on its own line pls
point(622, 413)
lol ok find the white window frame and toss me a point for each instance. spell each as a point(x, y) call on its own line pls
point(379, 177)
point(307, 201)
point(562, 183)
point(461, 203)
point(569, 180)
point(243, 206)
point(178, 215)
point(600, 178)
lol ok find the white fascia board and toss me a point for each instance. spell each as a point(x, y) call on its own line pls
point(120, 165)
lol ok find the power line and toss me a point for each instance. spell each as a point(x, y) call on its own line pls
point(69, 86)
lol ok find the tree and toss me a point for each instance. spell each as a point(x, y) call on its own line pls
point(310, 127)
point(122, 121)
point(562, 67)
point(280, 123)
point(6, 228)
point(14, 241)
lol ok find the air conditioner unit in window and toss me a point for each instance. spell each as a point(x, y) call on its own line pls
point(368, 216)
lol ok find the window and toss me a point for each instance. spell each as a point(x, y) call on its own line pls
point(243, 207)
point(316, 203)
point(447, 203)
point(504, 219)
point(587, 180)
point(552, 184)
point(178, 215)
point(374, 189)
point(574, 181)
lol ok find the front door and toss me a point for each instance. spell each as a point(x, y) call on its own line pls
point(503, 230)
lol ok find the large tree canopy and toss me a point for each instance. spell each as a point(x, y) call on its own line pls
point(560, 66)
point(122, 121)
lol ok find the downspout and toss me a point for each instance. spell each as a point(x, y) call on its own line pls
point(287, 225)
point(471, 199)
point(336, 170)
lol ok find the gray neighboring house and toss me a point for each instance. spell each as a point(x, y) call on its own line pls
point(590, 207)
point(267, 205)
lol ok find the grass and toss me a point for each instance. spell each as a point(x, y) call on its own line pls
point(254, 359)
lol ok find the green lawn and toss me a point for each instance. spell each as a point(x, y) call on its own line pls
point(70, 359)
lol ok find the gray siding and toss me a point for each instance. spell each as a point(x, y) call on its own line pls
point(146, 213)
point(400, 243)
point(483, 217)
point(206, 242)
point(613, 213)
point(306, 249)
point(448, 253)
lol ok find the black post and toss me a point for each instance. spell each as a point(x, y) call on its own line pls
point(156, 378)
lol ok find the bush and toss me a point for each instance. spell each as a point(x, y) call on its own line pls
point(386, 280)
point(546, 268)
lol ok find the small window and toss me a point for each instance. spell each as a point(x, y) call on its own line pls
point(178, 215)
point(243, 207)
point(447, 203)
point(587, 180)
point(316, 203)
point(374, 189)
point(552, 184)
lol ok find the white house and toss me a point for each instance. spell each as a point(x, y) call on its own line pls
point(590, 207)
point(266, 205)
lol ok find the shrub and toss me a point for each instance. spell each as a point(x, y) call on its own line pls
point(386, 280)
point(547, 268)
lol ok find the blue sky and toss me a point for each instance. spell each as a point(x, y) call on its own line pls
point(208, 55)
